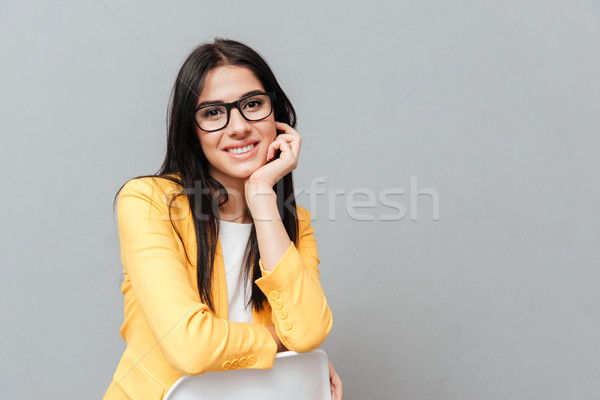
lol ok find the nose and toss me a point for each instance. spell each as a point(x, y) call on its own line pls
point(237, 123)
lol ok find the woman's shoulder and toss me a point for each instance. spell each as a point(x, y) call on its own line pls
point(155, 188)
point(162, 183)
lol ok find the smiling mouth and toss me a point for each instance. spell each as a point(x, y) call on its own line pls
point(241, 150)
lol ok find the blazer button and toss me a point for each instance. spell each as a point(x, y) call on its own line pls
point(274, 295)
point(287, 325)
point(243, 362)
point(251, 359)
point(278, 304)
point(226, 364)
point(234, 363)
point(283, 314)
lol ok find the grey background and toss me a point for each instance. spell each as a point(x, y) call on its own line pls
point(491, 105)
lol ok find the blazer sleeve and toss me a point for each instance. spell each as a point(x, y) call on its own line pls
point(191, 337)
point(300, 311)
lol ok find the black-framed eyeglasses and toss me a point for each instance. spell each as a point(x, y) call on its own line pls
point(253, 107)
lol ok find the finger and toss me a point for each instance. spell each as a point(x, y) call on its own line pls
point(289, 137)
point(285, 129)
point(289, 133)
point(338, 391)
point(337, 384)
point(332, 373)
point(276, 144)
point(281, 144)
point(295, 141)
point(286, 151)
point(282, 126)
point(335, 393)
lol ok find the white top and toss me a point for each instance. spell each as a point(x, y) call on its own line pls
point(234, 238)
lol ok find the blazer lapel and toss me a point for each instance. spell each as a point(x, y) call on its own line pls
point(219, 283)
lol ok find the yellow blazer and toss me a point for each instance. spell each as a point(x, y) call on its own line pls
point(169, 332)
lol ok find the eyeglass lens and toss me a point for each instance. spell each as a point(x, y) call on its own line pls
point(254, 108)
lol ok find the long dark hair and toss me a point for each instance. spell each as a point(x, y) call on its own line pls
point(186, 165)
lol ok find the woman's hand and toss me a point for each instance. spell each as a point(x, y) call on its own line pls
point(258, 187)
point(288, 143)
point(334, 379)
point(335, 382)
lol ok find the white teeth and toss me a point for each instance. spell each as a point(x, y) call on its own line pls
point(241, 149)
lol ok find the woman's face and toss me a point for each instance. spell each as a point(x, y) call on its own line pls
point(224, 85)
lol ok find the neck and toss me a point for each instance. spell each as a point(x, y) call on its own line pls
point(235, 210)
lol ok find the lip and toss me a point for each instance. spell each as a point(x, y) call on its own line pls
point(242, 156)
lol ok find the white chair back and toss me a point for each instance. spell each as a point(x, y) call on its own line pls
point(294, 376)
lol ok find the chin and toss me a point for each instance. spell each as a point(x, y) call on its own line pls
point(246, 172)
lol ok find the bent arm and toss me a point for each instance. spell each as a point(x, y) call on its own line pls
point(290, 280)
point(191, 337)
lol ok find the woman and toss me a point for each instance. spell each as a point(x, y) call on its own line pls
point(223, 200)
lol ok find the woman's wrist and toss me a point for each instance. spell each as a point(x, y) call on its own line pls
point(272, 237)
point(262, 202)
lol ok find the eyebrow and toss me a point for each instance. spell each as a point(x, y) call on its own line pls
point(213, 102)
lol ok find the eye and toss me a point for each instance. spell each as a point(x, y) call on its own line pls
point(212, 112)
point(253, 104)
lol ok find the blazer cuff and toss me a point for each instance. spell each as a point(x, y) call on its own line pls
point(282, 260)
